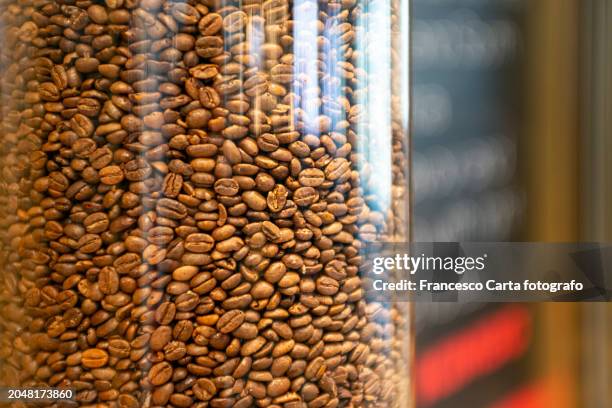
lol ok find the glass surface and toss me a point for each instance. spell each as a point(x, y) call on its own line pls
point(185, 189)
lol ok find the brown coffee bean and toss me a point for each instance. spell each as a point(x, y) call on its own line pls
point(87, 65)
point(96, 223)
point(203, 165)
point(184, 273)
point(185, 13)
point(224, 232)
point(230, 245)
point(280, 366)
point(262, 290)
point(315, 369)
point(119, 348)
point(252, 346)
point(275, 272)
point(208, 96)
point(97, 14)
point(182, 330)
point(111, 175)
point(337, 169)
point(160, 235)
point(205, 72)
point(94, 358)
point(226, 187)
point(137, 169)
point(254, 200)
point(327, 285)
point(89, 107)
point(100, 158)
point(246, 331)
point(311, 177)
point(48, 92)
point(271, 231)
point(108, 280)
point(209, 46)
point(283, 330)
point(288, 280)
point(264, 182)
point(199, 243)
point(210, 24)
point(89, 243)
point(160, 373)
point(160, 337)
point(153, 254)
point(172, 209)
point(197, 119)
point(230, 321)
point(305, 196)
point(231, 152)
point(235, 132)
point(165, 313)
point(175, 350)
point(186, 301)
point(109, 70)
point(161, 395)
point(59, 76)
point(278, 386)
point(128, 401)
point(235, 21)
point(277, 198)
point(172, 185)
point(204, 389)
point(283, 347)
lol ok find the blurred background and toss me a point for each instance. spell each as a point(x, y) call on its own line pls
point(512, 120)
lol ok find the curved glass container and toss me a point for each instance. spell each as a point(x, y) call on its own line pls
point(185, 188)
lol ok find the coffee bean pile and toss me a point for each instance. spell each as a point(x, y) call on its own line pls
point(183, 200)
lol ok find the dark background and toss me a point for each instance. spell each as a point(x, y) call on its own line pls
point(512, 141)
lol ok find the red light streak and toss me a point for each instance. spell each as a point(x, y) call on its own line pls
point(479, 349)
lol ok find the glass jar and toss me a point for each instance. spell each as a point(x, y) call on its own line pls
point(185, 189)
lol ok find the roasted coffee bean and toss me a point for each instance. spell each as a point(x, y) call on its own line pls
point(172, 185)
point(111, 175)
point(94, 358)
point(311, 177)
point(89, 243)
point(277, 198)
point(96, 223)
point(337, 169)
point(160, 373)
point(101, 158)
point(235, 21)
point(254, 200)
point(160, 235)
point(137, 170)
point(165, 313)
point(209, 46)
point(210, 24)
point(199, 243)
point(184, 273)
point(305, 196)
point(230, 321)
point(209, 98)
point(160, 337)
point(278, 386)
point(119, 348)
point(171, 209)
point(226, 187)
point(204, 389)
point(108, 280)
point(204, 72)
